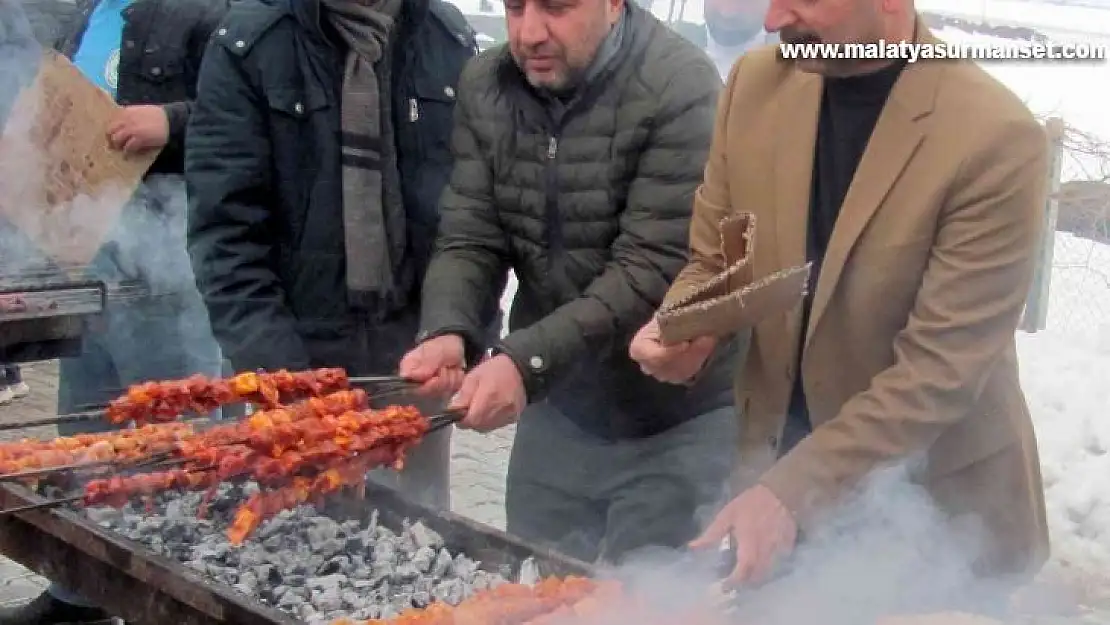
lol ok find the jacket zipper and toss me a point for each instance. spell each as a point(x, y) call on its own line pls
point(414, 110)
point(551, 210)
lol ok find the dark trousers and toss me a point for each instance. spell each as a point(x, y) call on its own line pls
point(600, 500)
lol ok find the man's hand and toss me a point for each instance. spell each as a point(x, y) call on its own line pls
point(437, 364)
point(762, 530)
point(492, 395)
point(139, 128)
point(675, 363)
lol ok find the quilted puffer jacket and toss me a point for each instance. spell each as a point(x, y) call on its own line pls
point(588, 200)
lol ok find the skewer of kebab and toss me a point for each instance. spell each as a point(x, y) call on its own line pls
point(167, 400)
point(152, 443)
point(341, 474)
point(384, 437)
point(383, 445)
point(25, 461)
point(18, 449)
point(313, 408)
point(385, 449)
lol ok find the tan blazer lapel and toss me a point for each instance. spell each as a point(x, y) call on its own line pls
point(897, 135)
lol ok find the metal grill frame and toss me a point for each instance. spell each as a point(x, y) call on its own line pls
point(145, 588)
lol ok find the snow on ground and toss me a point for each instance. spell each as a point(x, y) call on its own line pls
point(1064, 374)
point(1064, 382)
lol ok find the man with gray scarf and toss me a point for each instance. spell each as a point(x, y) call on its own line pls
point(579, 146)
point(316, 154)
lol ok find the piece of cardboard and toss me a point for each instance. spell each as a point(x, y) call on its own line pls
point(733, 300)
point(61, 183)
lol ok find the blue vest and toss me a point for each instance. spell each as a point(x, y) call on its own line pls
point(98, 55)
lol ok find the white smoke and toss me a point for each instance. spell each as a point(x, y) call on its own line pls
point(146, 242)
point(887, 551)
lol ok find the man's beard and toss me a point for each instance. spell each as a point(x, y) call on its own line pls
point(732, 30)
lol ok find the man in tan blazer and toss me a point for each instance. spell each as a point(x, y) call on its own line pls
point(916, 190)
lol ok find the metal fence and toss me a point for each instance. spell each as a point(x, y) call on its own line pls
point(1071, 289)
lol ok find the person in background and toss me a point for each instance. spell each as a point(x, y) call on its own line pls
point(12, 386)
point(579, 145)
point(146, 54)
point(316, 154)
point(731, 29)
point(917, 191)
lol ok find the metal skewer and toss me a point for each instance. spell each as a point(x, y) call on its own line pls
point(388, 385)
point(53, 503)
point(143, 462)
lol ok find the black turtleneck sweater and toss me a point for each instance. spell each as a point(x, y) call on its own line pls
point(850, 107)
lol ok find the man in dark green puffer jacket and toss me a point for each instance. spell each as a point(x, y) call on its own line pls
point(579, 146)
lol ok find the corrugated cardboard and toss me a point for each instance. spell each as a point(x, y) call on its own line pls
point(733, 300)
point(61, 183)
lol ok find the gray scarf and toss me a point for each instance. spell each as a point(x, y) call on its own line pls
point(373, 211)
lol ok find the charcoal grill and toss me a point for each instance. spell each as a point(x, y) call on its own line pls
point(149, 589)
point(54, 308)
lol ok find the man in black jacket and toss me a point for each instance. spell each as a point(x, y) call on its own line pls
point(146, 54)
point(579, 145)
point(316, 153)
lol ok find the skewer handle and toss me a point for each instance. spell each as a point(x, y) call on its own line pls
point(443, 420)
point(380, 380)
point(138, 463)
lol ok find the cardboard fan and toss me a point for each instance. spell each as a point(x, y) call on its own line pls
point(61, 183)
point(733, 300)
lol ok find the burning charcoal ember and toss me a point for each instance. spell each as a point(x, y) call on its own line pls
point(300, 561)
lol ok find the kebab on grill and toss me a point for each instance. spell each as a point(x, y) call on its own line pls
point(313, 408)
point(343, 473)
point(124, 445)
point(326, 458)
point(371, 430)
point(175, 438)
point(166, 400)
